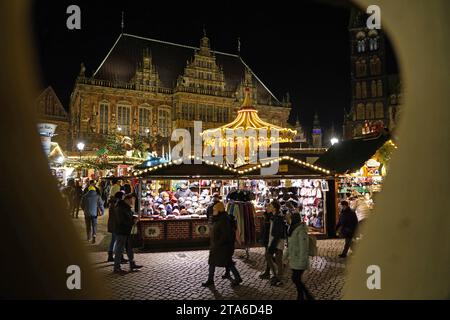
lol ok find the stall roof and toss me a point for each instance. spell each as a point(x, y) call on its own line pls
point(350, 155)
point(190, 170)
point(289, 168)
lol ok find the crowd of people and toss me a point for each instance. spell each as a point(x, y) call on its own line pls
point(284, 233)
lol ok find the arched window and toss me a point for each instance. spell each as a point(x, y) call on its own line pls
point(369, 111)
point(364, 90)
point(358, 90)
point(363, 67)
point(164, 122)
point(103, 117)
point(380, 88)
point(379, 111)
point(377, 65)
point(360, 112)
point(145, 118)
point(373, 87)
point(123, 119)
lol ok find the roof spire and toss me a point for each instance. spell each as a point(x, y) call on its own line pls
point(247, 99)
point(204, 30)
point(239, 45)
point(122, 25)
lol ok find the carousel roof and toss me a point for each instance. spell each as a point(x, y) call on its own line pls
point(247, 118)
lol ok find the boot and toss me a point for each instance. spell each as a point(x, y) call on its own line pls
point(236, 281)
point(93, 239)
point(134, 266)
point(110, 257)
point(123, 260)
point(208, 283)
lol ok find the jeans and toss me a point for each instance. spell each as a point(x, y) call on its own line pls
point(113, 241)
point(348, 243)
point(91, 225)
point(302, 291)
point(278, 271)
point(121, 243)
point(231, 267)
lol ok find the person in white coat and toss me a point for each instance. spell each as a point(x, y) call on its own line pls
point(297, 253)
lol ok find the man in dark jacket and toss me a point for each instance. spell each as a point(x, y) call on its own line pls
point(348, 222)
point(124, 219)
point(113, 202)
point(265, 234)
point(221, 245)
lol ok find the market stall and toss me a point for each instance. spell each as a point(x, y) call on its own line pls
point(360, 166)
point(173, 199)
point(306, 185)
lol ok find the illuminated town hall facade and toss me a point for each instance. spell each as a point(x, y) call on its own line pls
point(149, 87)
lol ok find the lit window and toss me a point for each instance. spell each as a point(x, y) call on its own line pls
point(144, 121)
point(104, 118)
point(123, 119)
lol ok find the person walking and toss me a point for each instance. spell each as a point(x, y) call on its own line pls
point(111, 225)
point(277, 236)
point(265, 234)
point(348, 222)
point(297, 253)
point(227, 275)
point(124, 219)
point(77, 194)
point(209, 209)
point(221, 245)
point(92, 205)
point(114, 188)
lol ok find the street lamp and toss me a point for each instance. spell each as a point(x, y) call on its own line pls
point(334, 140)
point(80, 147)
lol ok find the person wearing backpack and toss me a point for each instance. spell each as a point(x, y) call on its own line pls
point(297, 253)
point(277, 236)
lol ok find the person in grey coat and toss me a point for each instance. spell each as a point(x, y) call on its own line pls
point(92, 205)
point(297, 253)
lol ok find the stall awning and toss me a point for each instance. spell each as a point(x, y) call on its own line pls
point(180, 170)
point(350, 155)
point(288, 168)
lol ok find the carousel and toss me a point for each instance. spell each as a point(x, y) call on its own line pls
point(245, 136)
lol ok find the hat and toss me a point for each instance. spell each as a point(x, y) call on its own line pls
point(195, 205)
point(194, 198)
point(190, 211)
point(91, 188)
point(176, 212)
point(161, 206)
point(198, 211)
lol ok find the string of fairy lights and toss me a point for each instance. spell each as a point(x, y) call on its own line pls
point(230, 169)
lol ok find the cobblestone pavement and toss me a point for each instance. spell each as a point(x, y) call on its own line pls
point(178, 275)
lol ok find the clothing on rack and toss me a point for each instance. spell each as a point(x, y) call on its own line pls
point(244, 213)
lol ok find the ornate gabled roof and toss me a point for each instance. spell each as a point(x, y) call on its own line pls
point(48, 96)
point(170, 60)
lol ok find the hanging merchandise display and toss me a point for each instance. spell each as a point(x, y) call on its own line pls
point(308, 194)
point(244, 214)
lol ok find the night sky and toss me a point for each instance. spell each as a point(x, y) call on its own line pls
point(299, 47)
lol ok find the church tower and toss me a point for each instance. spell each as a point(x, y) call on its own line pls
point(300, 137)
point(368, 110)
point(316, 133)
